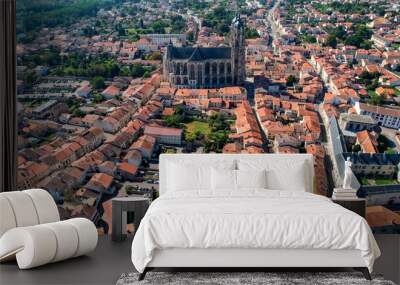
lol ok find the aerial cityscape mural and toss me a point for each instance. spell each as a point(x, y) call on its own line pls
point(106, 86)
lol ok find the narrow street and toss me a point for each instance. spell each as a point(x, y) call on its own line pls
point(264, 136)
point(270, 23)
point(190, 15)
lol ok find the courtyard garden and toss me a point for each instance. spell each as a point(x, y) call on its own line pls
point(379, 181)
point(197, 130)
point(210, 132)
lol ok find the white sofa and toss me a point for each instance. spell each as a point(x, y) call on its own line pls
point(31, 231)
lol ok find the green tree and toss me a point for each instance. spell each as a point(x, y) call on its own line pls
point(98, 98)
point(97, 82)
point(291, 80)
point(159, 26)
point(383, 143)
point(217, 122)
point(175, 120)
point(251, 33)
point(120, 30)
point(178, 24)
point(375, 99)
point(309, 39)
point(216, 141)
point(137, 70)
point(34, 15)
point(30, 77)
point(155, 56)
point(373, 85)
point(50, 57)
point(79, 113)
point(331, 41)
point(356, 148)
point(222, 28)
point(179, 110)
point(190, 36)
point(340, 33)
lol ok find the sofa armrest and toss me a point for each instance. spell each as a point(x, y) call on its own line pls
point(32, 246)
point(41, 244)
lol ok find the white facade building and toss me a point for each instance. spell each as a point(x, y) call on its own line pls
point(385, 117)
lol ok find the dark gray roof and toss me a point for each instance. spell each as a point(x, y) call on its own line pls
point(373, 159)
point(380, 189)
point(199, 53)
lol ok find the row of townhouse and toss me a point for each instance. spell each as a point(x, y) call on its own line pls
point(49, 159)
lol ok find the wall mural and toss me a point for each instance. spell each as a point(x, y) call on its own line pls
point(105, 87)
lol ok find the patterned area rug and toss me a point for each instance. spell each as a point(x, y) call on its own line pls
point(243, 278)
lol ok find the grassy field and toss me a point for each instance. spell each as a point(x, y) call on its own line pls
point(197, 127)
point(391, 150)
point(378, 181)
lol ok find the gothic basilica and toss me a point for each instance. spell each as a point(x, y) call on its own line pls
point(208, 67)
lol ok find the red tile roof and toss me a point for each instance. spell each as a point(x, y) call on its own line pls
point(162, 131)
point(128, 168)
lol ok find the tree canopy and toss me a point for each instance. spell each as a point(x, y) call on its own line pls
point(97, 82)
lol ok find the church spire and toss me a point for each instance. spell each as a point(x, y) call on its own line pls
point(238, 50)
point(237, 9)
point(237, 20)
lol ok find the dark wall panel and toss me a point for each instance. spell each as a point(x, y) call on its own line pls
point(8, 120)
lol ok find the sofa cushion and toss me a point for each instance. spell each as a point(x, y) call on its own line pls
point(45, 206)
point(24, 210)
point(67, 240)
point(41, 244)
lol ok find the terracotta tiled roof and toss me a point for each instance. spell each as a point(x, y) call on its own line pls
point(128, 168)
point(111, 91)
point(232, 148)
point(168, 112)
point(368, 142)
point(380, 110)
point(102, 179)
point(145, 142)
point(287, 149)
point(387, 92)
point(378, 216)
point(162, 131)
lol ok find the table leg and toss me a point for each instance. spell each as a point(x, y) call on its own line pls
point(124, 218)
point(140, 210)
point(116, 222)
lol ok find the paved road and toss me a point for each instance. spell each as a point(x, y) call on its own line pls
point(190, 15)
point(271, 24)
